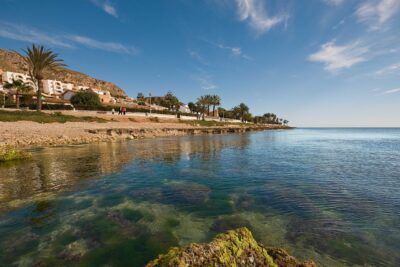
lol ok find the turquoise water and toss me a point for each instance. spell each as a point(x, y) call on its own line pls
point(332, 195)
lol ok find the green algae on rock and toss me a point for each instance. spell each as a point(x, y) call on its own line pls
point(233, 248)
point(8, 153)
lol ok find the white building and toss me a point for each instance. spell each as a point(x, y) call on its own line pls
point(8, 76)
point(184, 109)
point(105, 96)
point(56, 87)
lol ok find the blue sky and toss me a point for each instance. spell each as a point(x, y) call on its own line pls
point(313, 62)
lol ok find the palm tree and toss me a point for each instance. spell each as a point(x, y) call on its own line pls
point(215, 101)
point(208, 102)
point(243, 109)
point(20, 88)
point(202, 103)
point(39, 60)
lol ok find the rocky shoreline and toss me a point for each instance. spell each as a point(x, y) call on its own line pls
point(233, 248)
point(25, 134)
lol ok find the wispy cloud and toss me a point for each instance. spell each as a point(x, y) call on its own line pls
point(106, 6)
point(375, 13)
point(107, 46)
point(337, 57)
point(254, 12)
point(204, 79)
point(206, 83)
point(334, 2)
point(392, 91)
point(28, 34)
point(233, 50)
point(394, 68)
point(196, 55)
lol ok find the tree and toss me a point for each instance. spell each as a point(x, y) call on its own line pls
point(87, 99)
point(242, 110)
point(215, 101)
point(171, 102)
point(221, 112)
point(39, 60)
point(192, 107)
point(140, 96)
point(20, 88)
point(202, 103)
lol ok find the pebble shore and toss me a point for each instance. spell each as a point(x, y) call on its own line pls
point(31, 134)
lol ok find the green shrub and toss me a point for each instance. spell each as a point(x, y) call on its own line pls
point(86, 99)
point(8, 153)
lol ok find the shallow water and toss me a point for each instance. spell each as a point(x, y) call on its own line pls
point(332, 195)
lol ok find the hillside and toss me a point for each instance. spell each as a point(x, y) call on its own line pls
point(11, 61)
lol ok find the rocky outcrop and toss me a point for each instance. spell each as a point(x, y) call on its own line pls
point(233, 248)
point(134, 133)
point(12, 61)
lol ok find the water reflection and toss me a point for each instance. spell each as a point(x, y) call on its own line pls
point(59, 169)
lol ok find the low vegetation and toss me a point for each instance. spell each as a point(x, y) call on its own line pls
point(9, 153)
point(42, 117)
point(86, 99)
point(204, 123)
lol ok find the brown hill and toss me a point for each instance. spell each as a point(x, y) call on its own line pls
point(12, 61)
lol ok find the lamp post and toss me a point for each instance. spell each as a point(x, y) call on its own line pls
point(150, 101)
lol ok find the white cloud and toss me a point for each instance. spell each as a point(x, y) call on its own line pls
point(233, 50)
point(107, 7)
point(204, 79)
point(392, 91)
point(336, 57)
point(108, 46)
point(377, 12)
point(334, 2)
point(28, 34)
point(389, 69)
point(253, 11)
point(206, 83)
point(196, 55)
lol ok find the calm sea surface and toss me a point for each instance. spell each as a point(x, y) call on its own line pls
point(332, 195)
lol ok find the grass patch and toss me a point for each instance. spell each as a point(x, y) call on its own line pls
point(9, 153)
point(42, 117)
point(205, 123)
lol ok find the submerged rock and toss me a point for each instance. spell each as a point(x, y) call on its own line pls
point(187, 192)
point(233, 248)
point(226, 223)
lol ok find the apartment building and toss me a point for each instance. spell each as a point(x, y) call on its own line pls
point(8, 76)
point(54, 87)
